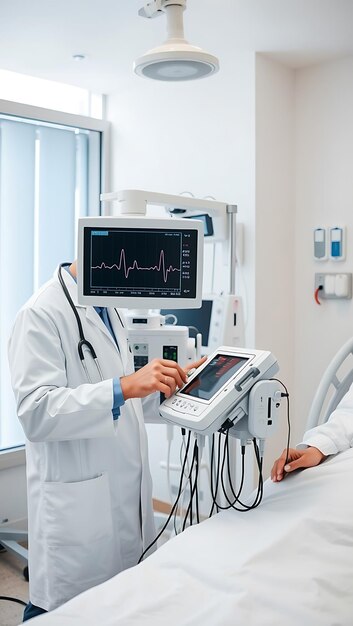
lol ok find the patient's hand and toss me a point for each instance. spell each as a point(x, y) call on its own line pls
point(296, 459)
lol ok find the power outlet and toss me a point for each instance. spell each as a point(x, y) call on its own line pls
point(340, 283)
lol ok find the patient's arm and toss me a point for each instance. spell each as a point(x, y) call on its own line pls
point(296, 459)
point(336, 435)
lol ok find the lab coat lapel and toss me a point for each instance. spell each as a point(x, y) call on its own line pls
point(121, 335)
point(93, 317)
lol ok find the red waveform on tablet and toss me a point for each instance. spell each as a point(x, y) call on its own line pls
point(122, 265)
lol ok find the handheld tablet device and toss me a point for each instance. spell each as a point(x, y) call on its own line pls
point(213, 391)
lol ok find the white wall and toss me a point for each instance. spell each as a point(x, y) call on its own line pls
point(274, 250)
point(304, 152)
point(196, 137)
point(324, 196)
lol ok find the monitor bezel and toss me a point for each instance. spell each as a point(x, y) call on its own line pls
point(143, 223)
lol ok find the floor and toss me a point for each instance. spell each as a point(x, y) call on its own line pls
point(13, 584)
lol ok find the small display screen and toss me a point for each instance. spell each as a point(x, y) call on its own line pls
point(212, 378)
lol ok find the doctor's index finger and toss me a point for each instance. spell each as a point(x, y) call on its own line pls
point(173, 365)
point(195, 364)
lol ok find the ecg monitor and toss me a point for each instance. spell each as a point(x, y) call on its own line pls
point(211, 395)
point(137, 262)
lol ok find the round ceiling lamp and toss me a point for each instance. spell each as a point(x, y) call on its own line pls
point(175, 60)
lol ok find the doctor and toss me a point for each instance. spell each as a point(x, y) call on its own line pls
point(89, 487)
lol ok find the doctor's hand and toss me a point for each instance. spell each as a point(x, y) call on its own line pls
point(158, 375)
point(309, 457)
point(193, 366)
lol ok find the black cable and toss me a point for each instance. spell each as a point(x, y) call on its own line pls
point(214, 492)
point(226, 458)
point(261, 482)
point(188, 511)
point(8, 599)
point(222, 466)
point(174, 505)
point(188, 477)
point(259, 493)
point(247, 507)
point(193, 491)
point(197, 490)
point(219, 475)
point(181, 464)
point(242, 478)
point(236, 496)
point(286, 395)
point(211, 474)
point(193, 486)
point(190, 489)
point(189, 507)
point(183, 445)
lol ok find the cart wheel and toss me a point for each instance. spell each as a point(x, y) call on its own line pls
point(26, 573)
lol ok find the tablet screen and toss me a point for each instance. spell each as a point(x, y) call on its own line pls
point(212, 378)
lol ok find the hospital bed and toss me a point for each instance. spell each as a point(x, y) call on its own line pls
point(288, 561)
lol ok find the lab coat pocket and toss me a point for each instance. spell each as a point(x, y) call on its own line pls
point(78, 533)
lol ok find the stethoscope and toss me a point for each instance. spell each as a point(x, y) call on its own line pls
point(83, 346)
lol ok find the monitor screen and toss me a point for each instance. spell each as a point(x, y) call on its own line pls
point(198, 320)
point(212, 378)
point(148, 265)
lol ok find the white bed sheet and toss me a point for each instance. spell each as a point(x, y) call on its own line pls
point(290, 561)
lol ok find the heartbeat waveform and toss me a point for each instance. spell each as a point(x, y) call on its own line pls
point(161, 266)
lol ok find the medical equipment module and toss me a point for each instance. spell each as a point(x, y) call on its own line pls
point(150, 339)
point(215, 390)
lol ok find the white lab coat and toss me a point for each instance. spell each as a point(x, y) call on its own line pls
point(89, 486)
point(336, 435)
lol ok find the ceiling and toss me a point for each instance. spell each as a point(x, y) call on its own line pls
point(40, 37)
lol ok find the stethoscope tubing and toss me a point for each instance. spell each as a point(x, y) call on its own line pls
point(83, 345)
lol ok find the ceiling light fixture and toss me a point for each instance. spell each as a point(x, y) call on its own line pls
point(176, 59)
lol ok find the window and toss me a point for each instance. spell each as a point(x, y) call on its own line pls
point(50, 94)
point(50, 174)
